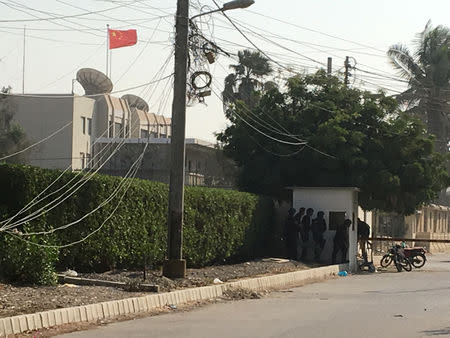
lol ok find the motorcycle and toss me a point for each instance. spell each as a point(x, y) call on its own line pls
point(416, 256)
point(404, 258)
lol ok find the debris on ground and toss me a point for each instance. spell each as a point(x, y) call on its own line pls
point(241, 293)
point(70, 273)
point(67, 285)
point(204, 276)
point(275, 260)
point(217, 281)
point(16, 300)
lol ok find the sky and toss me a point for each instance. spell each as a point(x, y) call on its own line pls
point(298, 35)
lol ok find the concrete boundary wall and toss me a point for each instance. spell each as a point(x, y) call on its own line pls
point(139, 305)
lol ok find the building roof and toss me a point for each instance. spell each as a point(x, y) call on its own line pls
point(152, 118)
point(160, 119)
point(143, 118)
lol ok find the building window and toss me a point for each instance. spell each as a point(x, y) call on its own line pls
point(83, 160)
point(161, 131)
point(88, 161)
point(144, 133)
point(89, 126)
point(83, 124)
point(110, 129)
point(117, 129)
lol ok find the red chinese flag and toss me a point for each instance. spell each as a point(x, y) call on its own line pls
point(118, 38)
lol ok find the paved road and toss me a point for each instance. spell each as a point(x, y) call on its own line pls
point(415, 304)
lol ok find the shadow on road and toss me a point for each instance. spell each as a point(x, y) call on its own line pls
point(438, 332)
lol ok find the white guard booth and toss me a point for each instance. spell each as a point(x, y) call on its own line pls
point(338, 204)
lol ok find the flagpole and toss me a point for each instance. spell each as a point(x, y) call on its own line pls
point(110, 64)
point(23, 60)
point(107, 48)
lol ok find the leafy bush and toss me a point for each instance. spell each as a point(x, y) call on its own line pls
point(219, 225)
point(26, 263)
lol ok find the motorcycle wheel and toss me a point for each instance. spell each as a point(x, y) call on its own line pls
point(406, 264)
point(418, 260)
point(386, 260)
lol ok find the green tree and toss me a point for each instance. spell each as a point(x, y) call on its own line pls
point(12, 137)
point(246, 81)
point(428, 73)
point(355, 138)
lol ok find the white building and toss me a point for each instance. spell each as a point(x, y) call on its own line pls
point(337, 204)
point(87, 118)
point(92, 126)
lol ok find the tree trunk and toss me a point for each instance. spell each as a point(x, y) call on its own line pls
point(437, 121)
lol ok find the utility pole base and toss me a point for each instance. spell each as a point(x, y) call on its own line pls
point(174, 268)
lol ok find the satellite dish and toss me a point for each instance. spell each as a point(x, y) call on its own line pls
point(94, 82)
point(136, 102)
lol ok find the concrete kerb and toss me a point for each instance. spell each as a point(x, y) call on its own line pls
point(117, 308)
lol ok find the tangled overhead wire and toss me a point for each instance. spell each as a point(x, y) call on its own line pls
point(202, 53)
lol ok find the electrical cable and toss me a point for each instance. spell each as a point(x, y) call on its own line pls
point(259, 131)
point(380, 75)
point(274, 153)
point(266, 124)
point(84, 238)
point(75, 188)
point(116, 19)
point(101, 205)
point(281, 46)
point(250, 41)
point(316, 31)
point(52, 40)
point(277, 140)
point(36, 143)
point(139, 54)
point(36, 199)
point(147, 91)
point(62, 16)
point(73, 70)
point(90, 31)
point(90, 95)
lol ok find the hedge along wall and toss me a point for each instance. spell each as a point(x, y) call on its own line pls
point(219, 225)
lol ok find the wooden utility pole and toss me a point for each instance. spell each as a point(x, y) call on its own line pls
point(347, 68)
point(175, 265)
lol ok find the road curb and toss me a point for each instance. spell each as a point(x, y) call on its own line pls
point(139, 305)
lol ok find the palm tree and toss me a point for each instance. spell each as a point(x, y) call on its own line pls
point(246, 80)
point(428, 74)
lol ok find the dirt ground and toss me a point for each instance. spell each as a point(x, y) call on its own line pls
point(15, 300)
